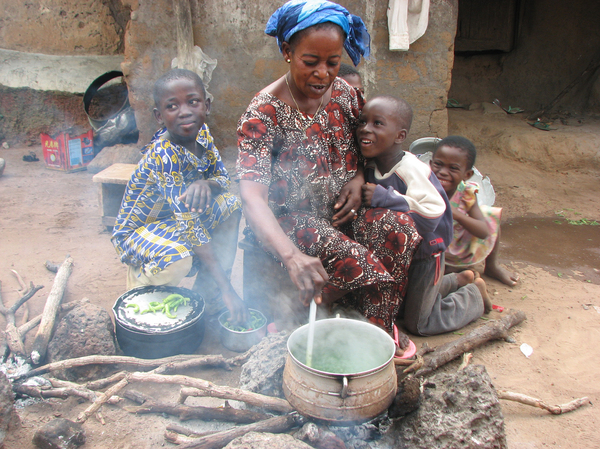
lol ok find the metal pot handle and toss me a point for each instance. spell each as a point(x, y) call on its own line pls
point(344, 392)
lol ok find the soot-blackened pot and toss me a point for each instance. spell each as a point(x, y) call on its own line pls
point(154, 335)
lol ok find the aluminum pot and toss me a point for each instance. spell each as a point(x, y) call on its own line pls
point(241, 341)
point(154, 335)
point(341, 396)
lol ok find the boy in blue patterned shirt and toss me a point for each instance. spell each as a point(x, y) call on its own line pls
point(177, 203)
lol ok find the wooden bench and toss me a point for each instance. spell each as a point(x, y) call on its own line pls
point(113, 181)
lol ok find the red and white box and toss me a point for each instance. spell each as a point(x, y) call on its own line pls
point(66, 153)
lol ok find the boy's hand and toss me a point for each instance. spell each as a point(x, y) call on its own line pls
point(367, 193)
point(197, 196)
point(238, 311)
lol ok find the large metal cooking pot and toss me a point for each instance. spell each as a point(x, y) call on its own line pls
point(352, 378)
point(154, 335)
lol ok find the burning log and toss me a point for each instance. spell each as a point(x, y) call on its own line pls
point(40, 344)
point(534, 402)
point(217, 440)
point(493, 330)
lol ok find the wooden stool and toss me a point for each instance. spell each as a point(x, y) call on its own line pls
point(113, 181)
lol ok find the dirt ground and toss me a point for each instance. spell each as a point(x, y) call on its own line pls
point(47, 215)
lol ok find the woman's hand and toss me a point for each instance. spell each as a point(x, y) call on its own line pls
point(197, 195)
point(349, 201)
point(308, 274)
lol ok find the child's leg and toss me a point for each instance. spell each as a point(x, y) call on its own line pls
point(171, 275)
point(427, 312)
point(494, 270)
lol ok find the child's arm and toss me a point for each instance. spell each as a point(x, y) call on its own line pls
point(216, 180)
point(422, 200)
point(473, 221)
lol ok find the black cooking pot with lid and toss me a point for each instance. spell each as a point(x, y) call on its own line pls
point(154, 335)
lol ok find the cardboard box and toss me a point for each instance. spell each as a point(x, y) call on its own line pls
point(66, 153)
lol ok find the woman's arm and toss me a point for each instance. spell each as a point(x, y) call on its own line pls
point(306, 272)
point(474, 222)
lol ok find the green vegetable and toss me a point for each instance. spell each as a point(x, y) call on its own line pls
point(135, 307)
point(256, 322)
point(170, 303)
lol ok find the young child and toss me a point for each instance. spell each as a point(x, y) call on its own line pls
point(476, 228)
point(177, 203)
point(397, 180)
point(351, 76)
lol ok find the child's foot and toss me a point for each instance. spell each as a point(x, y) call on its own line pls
point(465, 277)
point(487, 302)
point(497, 272)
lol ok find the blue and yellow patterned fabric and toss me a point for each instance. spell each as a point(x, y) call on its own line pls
point(153, 228)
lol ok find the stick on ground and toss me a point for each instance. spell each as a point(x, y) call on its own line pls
point(493, 330)
point(534, 402)
point(40, 344)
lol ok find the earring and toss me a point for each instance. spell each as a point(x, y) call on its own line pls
point(288, 60)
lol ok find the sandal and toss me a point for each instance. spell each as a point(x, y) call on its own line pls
point(409, 351)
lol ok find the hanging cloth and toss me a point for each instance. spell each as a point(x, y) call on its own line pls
point(407, 22)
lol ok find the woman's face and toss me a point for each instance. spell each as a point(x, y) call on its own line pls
point(315, 59)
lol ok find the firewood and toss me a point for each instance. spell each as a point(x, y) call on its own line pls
point(99, 384)
point(217, 391)
point(31, 324)
point(278, 424)
point(22, 283)
point(175, 438)
point(170, 363)
point(534, 402)
point(186, 412)
point(176, 428)
point(102, 398)
point(40, 344)
point(14, 339)
point(81, 390)
point(493, 330)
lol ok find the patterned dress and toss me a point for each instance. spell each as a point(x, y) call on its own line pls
point(305, 169)
point(466, 249)
point(153, 228)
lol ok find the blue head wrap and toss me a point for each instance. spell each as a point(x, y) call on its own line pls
point(297, 15)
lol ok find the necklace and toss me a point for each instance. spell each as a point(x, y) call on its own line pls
point(310, 120)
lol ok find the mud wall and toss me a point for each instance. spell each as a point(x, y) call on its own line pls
point(555, 43)
point(62, 27)
point(232, 32)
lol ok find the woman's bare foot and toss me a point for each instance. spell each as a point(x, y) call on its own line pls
point(487, 302)
point(402, 342)
point(495, 271)
point(465, 277)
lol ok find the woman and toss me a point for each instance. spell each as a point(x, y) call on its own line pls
point(301, 175)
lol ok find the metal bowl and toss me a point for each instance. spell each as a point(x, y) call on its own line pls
point(241, 341)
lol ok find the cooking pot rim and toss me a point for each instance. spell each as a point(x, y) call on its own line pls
point(353, 322)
